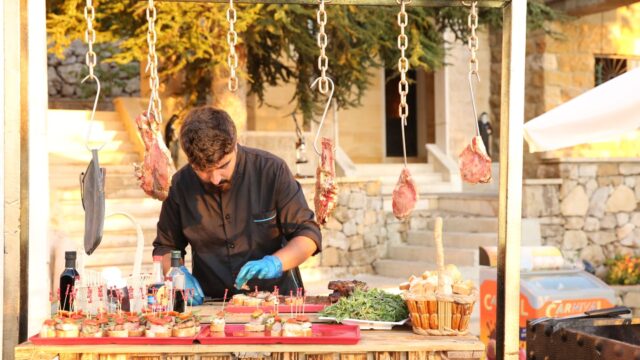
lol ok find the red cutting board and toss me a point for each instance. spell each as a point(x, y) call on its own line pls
point(282, 308)
point(321, 334)
point(138, 340)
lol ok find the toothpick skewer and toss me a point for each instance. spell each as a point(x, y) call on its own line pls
point(224, 299)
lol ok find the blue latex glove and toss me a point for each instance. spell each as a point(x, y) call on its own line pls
point(269, 267)
point(190, 282)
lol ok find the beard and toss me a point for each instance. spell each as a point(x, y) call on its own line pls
point(224, 185)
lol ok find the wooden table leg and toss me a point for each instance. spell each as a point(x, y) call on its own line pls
point(387, 356)
point(354, 356)
point(325, 356)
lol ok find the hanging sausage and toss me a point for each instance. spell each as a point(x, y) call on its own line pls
point(326, 195)
point(154, 174)
point(405, 194)
point(475, 164)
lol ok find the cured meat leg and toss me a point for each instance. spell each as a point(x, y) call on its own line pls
point(326, 190)
point(405, 195)
point(154, 174)
point(475, 164)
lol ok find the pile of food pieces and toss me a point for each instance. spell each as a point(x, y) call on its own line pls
point(372, 305)
point(67, 324)
point(423, 293)
point(268, 323)
point(344, 288)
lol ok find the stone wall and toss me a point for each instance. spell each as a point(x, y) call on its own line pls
point(628, 296)
point(64, 75)
point(355, 236)
point(594, 213)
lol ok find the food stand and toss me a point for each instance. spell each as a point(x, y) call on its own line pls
point(398, 343)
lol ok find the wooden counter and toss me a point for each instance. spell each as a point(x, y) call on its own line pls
point(399, 344)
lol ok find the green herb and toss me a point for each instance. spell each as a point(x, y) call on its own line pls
point(375, 305)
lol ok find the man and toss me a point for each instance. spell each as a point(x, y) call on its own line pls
point(239, 208)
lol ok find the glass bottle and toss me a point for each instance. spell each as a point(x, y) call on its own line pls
point(68, 280)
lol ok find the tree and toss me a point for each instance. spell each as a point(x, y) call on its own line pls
point(277, 43)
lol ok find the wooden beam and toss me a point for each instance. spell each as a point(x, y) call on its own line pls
point(510, 196)
point(13, 47)
point(587, 7)
point(428, 3)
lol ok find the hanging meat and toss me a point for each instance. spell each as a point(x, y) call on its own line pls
point(405, 195)
point(326, 189)
point(154, 174)
point(475, 164)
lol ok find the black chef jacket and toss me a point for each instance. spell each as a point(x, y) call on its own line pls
point(264, 208)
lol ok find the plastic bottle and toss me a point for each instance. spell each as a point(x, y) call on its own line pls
point(157, 292)
point(177, 278)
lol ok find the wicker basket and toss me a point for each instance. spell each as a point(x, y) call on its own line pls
point(440, 315)
point(437, 314)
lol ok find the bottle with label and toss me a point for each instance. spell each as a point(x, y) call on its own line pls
point(68, 280)
point(177, 278)
point(157, 294)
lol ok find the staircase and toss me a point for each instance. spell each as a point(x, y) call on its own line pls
point(469, 221)
point(68, 157)
point(428, 181)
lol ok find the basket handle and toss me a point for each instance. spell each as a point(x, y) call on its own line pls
point(437, 237)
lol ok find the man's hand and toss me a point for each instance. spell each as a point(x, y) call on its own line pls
point(192, 283)
point(269, 267)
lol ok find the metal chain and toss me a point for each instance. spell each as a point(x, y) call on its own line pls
point(403, 67)
point(473, 45)
point(90, 37)
point(155, 103)
point(232, 40)
point(323, 60)
point(473, 42)
point(91, 60)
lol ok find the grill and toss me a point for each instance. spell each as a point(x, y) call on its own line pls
point(602, 334)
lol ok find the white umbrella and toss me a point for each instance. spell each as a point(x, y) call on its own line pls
point(607, 111)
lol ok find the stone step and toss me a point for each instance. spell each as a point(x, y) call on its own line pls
point(453, 239)
point(116, 239)
point(458, 256)
point(471, 204)
point(418, 179)
point(135, 206)
point(138, 208)
point(377, 170)
point(75, 225)
point(467, 224)
point(117, 256)
point(422, 204)
point(404, 269)
point(109, 158)
point(424, 189)
point(111, 193)
point(113, 181)
point(127, 269)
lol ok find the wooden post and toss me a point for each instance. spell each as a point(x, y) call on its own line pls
point(14, 162)
point(510, 198)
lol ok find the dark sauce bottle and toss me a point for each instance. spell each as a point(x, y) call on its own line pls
point(68, 280)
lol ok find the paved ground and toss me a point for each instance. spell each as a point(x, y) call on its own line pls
point(387, 284)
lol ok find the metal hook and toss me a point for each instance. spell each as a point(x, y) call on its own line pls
point(93, 111)
point(324, 114)
point(473, 100)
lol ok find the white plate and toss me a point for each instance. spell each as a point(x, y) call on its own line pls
point(368, 324)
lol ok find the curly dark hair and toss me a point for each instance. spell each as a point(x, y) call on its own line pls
point(207, 135)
